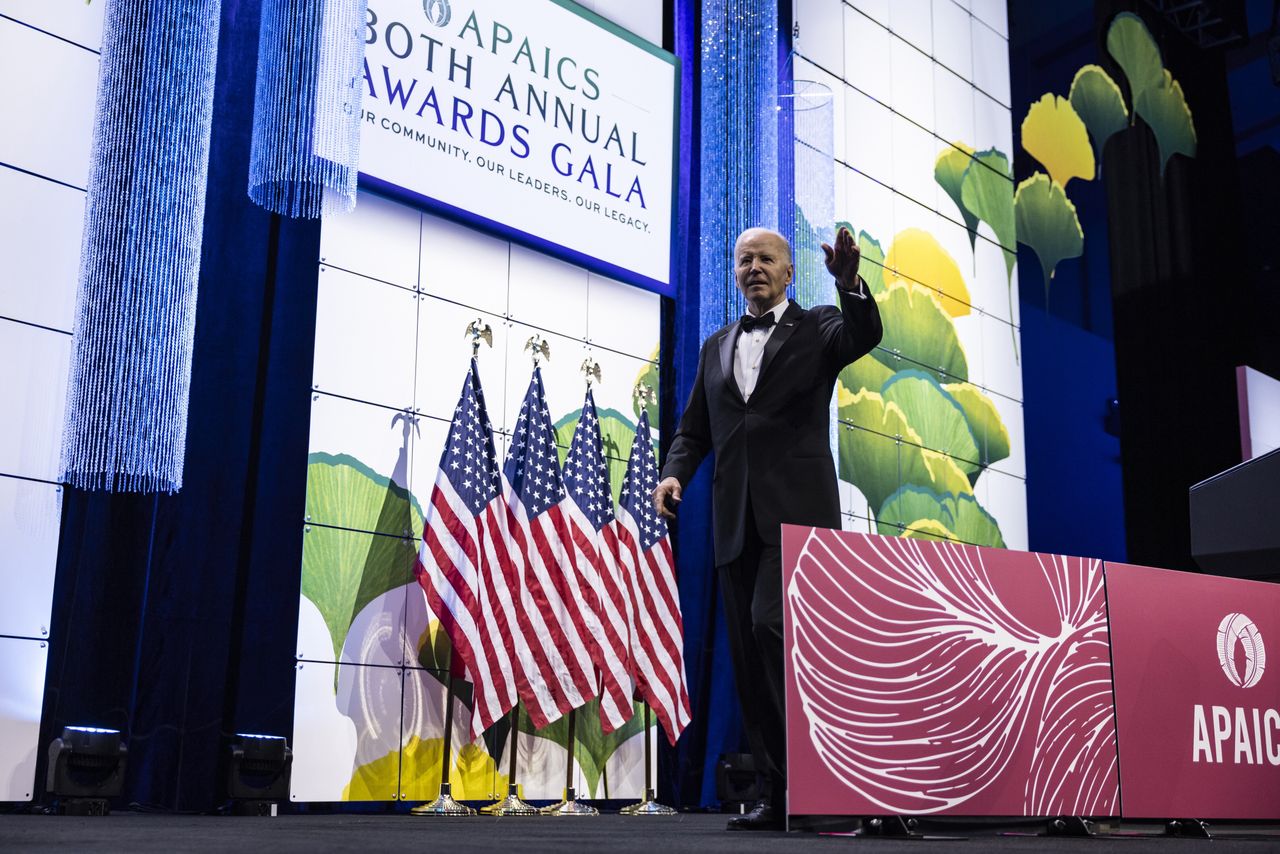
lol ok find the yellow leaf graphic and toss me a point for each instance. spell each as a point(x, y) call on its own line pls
point(917, 256)
point(472, 774)
point(377, 780)
point(1053, 133)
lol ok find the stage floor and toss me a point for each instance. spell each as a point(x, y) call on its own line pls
point(142, 832)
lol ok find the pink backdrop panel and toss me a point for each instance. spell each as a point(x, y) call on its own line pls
point(1197, 710)
point(927, 677)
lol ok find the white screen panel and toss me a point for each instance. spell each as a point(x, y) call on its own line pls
point(74, 20)
point(40, 228)
point(33, 383)
point(365, 339)
point(22, 669)
point(30, 516)
point(57, 144)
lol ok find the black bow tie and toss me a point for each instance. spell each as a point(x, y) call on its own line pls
point(764, 321)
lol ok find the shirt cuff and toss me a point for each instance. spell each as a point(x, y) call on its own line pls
point(860, 292)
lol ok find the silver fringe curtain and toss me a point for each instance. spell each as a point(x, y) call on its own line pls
point(126, 420)
point(739, 142)
point(306, 117)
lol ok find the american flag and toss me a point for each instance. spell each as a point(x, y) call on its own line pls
point(589, 509)
point(556, 672)
point(460, 561)
point(658, 632)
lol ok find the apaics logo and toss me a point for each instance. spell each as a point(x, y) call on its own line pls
point(437, 12)
point(1237, 629)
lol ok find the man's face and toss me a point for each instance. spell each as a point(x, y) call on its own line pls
point(762, 267)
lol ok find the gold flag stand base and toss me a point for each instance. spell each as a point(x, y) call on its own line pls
point(510, 805)
point(649, 806)
point(443, 805)
point(570, 806)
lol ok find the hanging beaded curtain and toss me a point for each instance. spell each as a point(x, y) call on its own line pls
point(306, 115)
point(739, 142)
point(126, 421)
point(807, 183)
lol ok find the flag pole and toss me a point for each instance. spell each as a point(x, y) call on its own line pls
point(650, 805)
point(570, 805)
point(444, 804)
point(512, 804)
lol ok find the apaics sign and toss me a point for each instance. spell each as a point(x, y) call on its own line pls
point(535, 119)
point(1197, 708)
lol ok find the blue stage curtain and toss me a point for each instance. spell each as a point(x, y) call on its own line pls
point(126, 421)
point(306, 123)
point(175, 616)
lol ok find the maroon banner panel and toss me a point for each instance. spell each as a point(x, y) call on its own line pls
point(929, 677)
point(1197, 711)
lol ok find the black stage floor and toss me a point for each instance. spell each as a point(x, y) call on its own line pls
point(142, 832)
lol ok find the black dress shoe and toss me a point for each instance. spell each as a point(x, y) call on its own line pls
point(761, 817)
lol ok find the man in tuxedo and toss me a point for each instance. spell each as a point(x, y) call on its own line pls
point(761, 402)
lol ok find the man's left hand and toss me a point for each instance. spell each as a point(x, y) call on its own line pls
point(842, 261)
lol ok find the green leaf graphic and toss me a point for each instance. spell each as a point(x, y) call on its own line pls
point(921, 512)
point(987, 190)
point(984, 421)
point(867, 373)
point(593, 746)
point(869, 456)
point(1165, 109)
point(935, 416)
point(1047, 222)
point(916, 327)
point(948, 171)
point(342, 571)
point(1100, 104)
point(1130, 43)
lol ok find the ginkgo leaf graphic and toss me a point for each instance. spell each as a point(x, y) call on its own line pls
point(1130, 43)
point(1099, 103)
point(917, 256)
point(1047, 222)
point(934, 415)
point(949, 171)
point(987, 191)
point(959, 515)
point(917, 328)
point(865, 460)
point(1053, 133)
point(1165, 109)
point(984, 420)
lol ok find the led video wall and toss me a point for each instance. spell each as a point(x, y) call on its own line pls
point(397, 290)
point(44, 167)
point(931, 433)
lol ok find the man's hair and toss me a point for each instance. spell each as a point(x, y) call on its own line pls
point(784, 240)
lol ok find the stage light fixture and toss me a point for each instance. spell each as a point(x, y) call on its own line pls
point(258, 773)
point(86, 767)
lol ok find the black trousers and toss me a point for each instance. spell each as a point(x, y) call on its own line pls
point(752, 589)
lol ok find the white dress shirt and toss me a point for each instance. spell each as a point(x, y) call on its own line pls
point(749, 352)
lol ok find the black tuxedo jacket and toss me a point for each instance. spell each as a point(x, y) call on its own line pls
point(775, 448)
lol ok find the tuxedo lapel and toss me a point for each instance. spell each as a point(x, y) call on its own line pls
point(786, 327)
point(726, 359)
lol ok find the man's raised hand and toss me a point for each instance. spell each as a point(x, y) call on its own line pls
point(668, 489)
point(842, 261)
